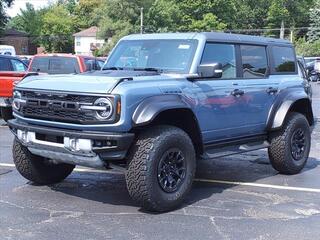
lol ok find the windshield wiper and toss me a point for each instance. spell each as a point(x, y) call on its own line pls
point(112, 68)
point(148, 69)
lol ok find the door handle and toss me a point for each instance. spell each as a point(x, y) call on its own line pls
point(237, 92)
point(272, 90)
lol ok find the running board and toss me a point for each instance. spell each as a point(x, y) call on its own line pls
point(234, 149)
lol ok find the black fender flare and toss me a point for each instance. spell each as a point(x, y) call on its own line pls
point(280, 108)
point(150, 107)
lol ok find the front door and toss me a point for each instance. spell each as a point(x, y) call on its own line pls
point(237, 104)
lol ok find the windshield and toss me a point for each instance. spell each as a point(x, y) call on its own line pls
point(163, 55)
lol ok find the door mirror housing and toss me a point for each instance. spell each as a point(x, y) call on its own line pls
point(210, 70)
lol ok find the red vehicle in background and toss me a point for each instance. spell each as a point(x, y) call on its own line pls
point(12, 70)
point(64, 63)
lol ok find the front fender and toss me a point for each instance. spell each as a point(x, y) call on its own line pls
point(150, 107)
point(284, 101)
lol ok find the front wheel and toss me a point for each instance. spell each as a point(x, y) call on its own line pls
point(161, 168)
point(38, 169)
point(290, 146)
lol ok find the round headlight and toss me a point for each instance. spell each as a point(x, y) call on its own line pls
point(16, 104)
point(106, 108)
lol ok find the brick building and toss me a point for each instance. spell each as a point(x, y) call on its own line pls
point(21, 41)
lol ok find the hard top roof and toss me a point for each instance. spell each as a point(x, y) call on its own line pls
point(212, 36)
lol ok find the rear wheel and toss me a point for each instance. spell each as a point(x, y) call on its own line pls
point(38, 169)
point(161, 168)
point(290, 146)
point(6, 113)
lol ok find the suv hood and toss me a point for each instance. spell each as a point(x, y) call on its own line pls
point(94, 82)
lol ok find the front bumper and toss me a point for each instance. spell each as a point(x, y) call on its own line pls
point(5, 102)
point(85, 148)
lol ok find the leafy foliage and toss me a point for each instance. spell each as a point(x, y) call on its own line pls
point(310, 49)
point(57, 29)
point(29, 20)
point(314, 32)
point(3, 17)
point(54, 25)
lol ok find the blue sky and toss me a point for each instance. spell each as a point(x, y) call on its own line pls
point(15, 9)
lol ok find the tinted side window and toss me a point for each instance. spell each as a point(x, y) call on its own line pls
point(40, 64)
point(284, 59)
point(18, 66)
point(90, 64)
point(221, 53)
point(5, 64)
point(254, 61)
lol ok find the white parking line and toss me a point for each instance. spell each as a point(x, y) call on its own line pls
point(6, 165)
point(261, 185)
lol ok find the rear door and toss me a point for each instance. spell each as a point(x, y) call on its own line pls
point(259, 90)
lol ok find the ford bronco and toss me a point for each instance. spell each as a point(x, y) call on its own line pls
point(161, 103)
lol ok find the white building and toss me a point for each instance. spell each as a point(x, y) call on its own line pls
point(86, 41)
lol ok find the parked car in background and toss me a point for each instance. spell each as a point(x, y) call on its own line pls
point(26, 59)
point(64, 63)
point(313, 70)
point(7, 50)
point(12, 70)
point(310, 60)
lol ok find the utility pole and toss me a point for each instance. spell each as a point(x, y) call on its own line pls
point(141, 20)
point(282, 30)
point(291, 35)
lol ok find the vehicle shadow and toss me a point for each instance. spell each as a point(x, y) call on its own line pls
point(110, 188)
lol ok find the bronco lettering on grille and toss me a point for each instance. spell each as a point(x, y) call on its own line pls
point(52, 104)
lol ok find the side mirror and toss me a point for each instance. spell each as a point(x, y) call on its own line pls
point(211, 70)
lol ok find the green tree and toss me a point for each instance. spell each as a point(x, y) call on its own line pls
point(119, 18)
point(29, 20)
point(250, 14)
point(3, 17)
point(314, 32)
point(189, 15)
point(292, 13)
point(208, 23)
point(310, 49)
point(87, 13)
point(163, 16)
point(57, 29)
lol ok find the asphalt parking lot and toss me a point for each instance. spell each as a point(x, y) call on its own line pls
point(239, 197)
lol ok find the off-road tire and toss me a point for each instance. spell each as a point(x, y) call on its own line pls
point(6, 113)
point(144, 157)
point(280, 149)
point(38, 169)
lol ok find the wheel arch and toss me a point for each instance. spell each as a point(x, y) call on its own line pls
point(289, 102)
point(169, 110)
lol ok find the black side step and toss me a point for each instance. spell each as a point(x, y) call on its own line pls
point(236, 146)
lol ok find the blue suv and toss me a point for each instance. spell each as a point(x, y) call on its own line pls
point(161, 103)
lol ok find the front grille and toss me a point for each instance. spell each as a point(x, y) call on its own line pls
point(37, 107)
point(58, 96)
